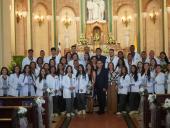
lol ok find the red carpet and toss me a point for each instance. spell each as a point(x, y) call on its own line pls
point(98, 121)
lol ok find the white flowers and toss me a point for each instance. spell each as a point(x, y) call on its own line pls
point(50, 91)
point(141, 90)
point(22, 110)
point(167, 104)
point(151, 98)
point(39, 101)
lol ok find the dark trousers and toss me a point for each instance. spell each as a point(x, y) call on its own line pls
point(81, 100)
point(134, 100)
point(101, 97)
point(69, 105)
point(56, 103)
point(122, 102)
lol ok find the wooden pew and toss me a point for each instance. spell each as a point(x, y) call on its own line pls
point(8, 118)
point(26, 101)
point(160, 114)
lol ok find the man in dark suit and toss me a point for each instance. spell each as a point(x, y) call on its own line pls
point(101, 85)
point(99, 55)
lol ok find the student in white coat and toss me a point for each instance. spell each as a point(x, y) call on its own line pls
point(4, 81)
point(41, 84)
point(81, 88)
point(69, 90)
point(27, 60)
point(135, 56)
point(123, 86)
point(135, 82)
point(159, 81)
point(27, 81)
point(14, 85)
point(54, 55)
point(111, 58)
point(147, 79)
point(60, 73)
point(168, 79)
point(53, 84)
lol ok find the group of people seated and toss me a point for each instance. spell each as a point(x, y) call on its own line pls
point(75, 80)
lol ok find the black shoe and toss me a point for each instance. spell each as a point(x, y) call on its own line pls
point(100, 112)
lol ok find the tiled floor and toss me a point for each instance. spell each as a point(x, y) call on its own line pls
point(98, 121)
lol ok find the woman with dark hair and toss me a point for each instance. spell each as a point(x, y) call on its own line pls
point(69, 90)
point(147, 78)
point(40, 63)
point(86, 59)
point(53, 84)
point(34, 70)
point(4, 81)
point(135, 82)
point(123, 86)
point(163, 61)
point(63, 61)
point(41, 83)
point(52, 63)
point(27, 81)
point(139, 67)
point(68, 57)
point(94, 62)
point(74, 57)
point(15, 87)
point(112, 89)
point(120, 64)
point(81, 88)
point(90, 88)
point(159, 86)
point(60, 73)
point(46, 67)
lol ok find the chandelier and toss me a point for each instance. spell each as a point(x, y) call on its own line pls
point(66, 20)
point(20, 14)
point(126, 19)
point(153, 15)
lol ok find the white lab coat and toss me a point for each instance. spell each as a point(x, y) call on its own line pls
point(160, 83)
point(27, 61)
point(13, 83)
point(135, 85)
point(136, 58)
point(124, 85)
point(66, 84)
point(114, 61)
point(53, 83)
point(24, 80)
point(82, 83)
point(57, 59)
point(149, 60)
point(168, 83)
point(40, 86)
point(147, 82)
point(1, 85)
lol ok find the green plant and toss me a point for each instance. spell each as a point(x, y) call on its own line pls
point(16, 60)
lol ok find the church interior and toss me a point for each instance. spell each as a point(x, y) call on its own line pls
point(117, 24)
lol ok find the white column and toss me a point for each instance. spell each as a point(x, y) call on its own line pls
point(12, 16)
point(1, 35)
point(28, 46)
point(6, 21)
point(165, 26)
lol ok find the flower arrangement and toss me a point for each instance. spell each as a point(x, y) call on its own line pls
point(50, 90)
point(21, 111)
point(83, 40)
point(39, 101)
point(142, 91)
point(152, 98)
point(166, 104)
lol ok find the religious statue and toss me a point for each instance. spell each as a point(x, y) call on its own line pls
point(96, 9)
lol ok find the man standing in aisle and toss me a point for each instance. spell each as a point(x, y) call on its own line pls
point(101, 85)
